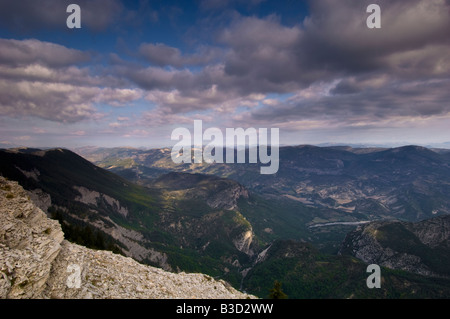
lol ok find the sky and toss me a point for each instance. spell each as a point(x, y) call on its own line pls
point(136, 70)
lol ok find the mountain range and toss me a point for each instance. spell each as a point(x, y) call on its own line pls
point(409, 183)
point(230, 222)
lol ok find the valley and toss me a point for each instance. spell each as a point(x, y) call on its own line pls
point(232, 223)
point(409, 183)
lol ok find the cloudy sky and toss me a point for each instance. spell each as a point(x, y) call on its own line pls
point(138, 69)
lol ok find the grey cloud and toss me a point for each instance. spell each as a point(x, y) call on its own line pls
point(334, 41)
point(264, 56)
point(393, 100)
point(34, 60)
point(41, 79)
point(346, 87)
point(164, 55)
point(337, 37)
point(399, 70)
point(54, 102)
point(181, 91)
point(152, 78)
point(58, 102)
point(161, 54)
point(260, 56)
point(263, 51)
point(16, 52)
point(380, 73)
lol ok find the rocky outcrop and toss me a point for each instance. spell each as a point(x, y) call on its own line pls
point(102, 274)
point(433, 232)
point(219, 193)
point(133, 241)
point(422, 247)
point(90, 197)
point(36, 262)
point(363, 245)
point(228, 197)
point(29, 243)
point(244, 241)
point(33, 174)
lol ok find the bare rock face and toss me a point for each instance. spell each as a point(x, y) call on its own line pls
point(228, 197)
point(29, 243)
point(421, 247)
point(92, 197)
point(36, 262)
point(433, 232)
point(244, 241)
point(132, 241)
point(365, 246)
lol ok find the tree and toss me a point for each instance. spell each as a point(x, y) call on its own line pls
point(276, 292)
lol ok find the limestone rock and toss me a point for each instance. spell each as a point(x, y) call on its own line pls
point(417, 250)
point(29, 243)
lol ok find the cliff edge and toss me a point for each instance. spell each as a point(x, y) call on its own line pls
point(37, 262)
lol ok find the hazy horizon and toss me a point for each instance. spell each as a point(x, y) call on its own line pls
point(445, 145)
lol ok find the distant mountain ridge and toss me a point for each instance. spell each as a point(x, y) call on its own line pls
point(408, 182)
